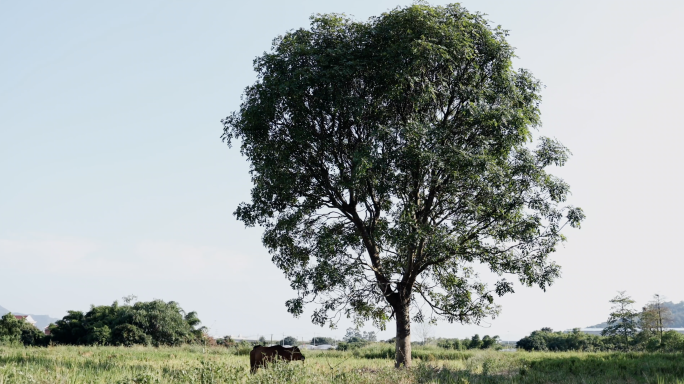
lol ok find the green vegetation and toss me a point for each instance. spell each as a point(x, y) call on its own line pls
point(547, 340)
point(626, 330)
point(372, 364)
point(15, 332)
point(148, 323)
point(143, 323)
point(623, 321)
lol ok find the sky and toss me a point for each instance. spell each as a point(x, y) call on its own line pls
point(114, 180)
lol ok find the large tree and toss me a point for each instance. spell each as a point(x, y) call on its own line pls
point(390, 157)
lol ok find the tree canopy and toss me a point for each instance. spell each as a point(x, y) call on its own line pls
point(391, 156)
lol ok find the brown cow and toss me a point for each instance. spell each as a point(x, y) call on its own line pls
point(261, 356)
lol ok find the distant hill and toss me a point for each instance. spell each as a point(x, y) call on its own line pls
point(677, 314)
point(42, 321)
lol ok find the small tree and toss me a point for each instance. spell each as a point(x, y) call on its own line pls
point(622, 322)
point(475, 342)
point(353, 335)
point(536, 341)
point(10, 329)
point(656, 316)
point(425, 331)
point(489, 342)
point(370, 336)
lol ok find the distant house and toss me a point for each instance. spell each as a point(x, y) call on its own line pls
point(239, 338)
point(26, 318)
point(317, 347)
point(47, 330)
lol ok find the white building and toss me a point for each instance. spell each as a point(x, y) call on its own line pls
point(322, 347)
point(26, 318)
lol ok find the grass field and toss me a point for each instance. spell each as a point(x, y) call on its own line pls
point(194, 364)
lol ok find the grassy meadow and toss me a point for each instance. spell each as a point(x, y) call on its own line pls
point(193, 364)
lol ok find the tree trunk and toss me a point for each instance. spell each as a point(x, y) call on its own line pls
point(403, 342)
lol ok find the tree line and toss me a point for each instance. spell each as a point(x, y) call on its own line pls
point(474, 342)
point(154, 323)
point(626, 330)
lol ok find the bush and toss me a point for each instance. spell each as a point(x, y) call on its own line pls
point(455, 344)
point(226, 341)
point(243, 348)
point(350, 346)
point(534, 342)
point(129, 335)
point(672, 341)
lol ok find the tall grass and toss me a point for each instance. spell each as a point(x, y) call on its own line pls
point(373, 364)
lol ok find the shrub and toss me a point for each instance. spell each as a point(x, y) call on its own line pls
point(672, 341)
point(350, 346)
point(128, 335)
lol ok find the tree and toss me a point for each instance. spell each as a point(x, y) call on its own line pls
point(14, 331)
point(655, 316)
point(70, 329)
point(370, 336)
point(353, 335)
point(489, 342)
point(389, 157)
point(648, 321)
point(289, 340)
point(536, 341)
point(425, 331)
point(10, 329)
point(622, 322)
point(475, 342)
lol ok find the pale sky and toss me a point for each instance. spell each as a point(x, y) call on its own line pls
point(114, 181)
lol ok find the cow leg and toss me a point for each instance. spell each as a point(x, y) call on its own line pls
point(252, 363)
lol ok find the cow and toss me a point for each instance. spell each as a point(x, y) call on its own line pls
point(260, 356)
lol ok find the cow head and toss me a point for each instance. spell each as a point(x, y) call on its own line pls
point(296, 354)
